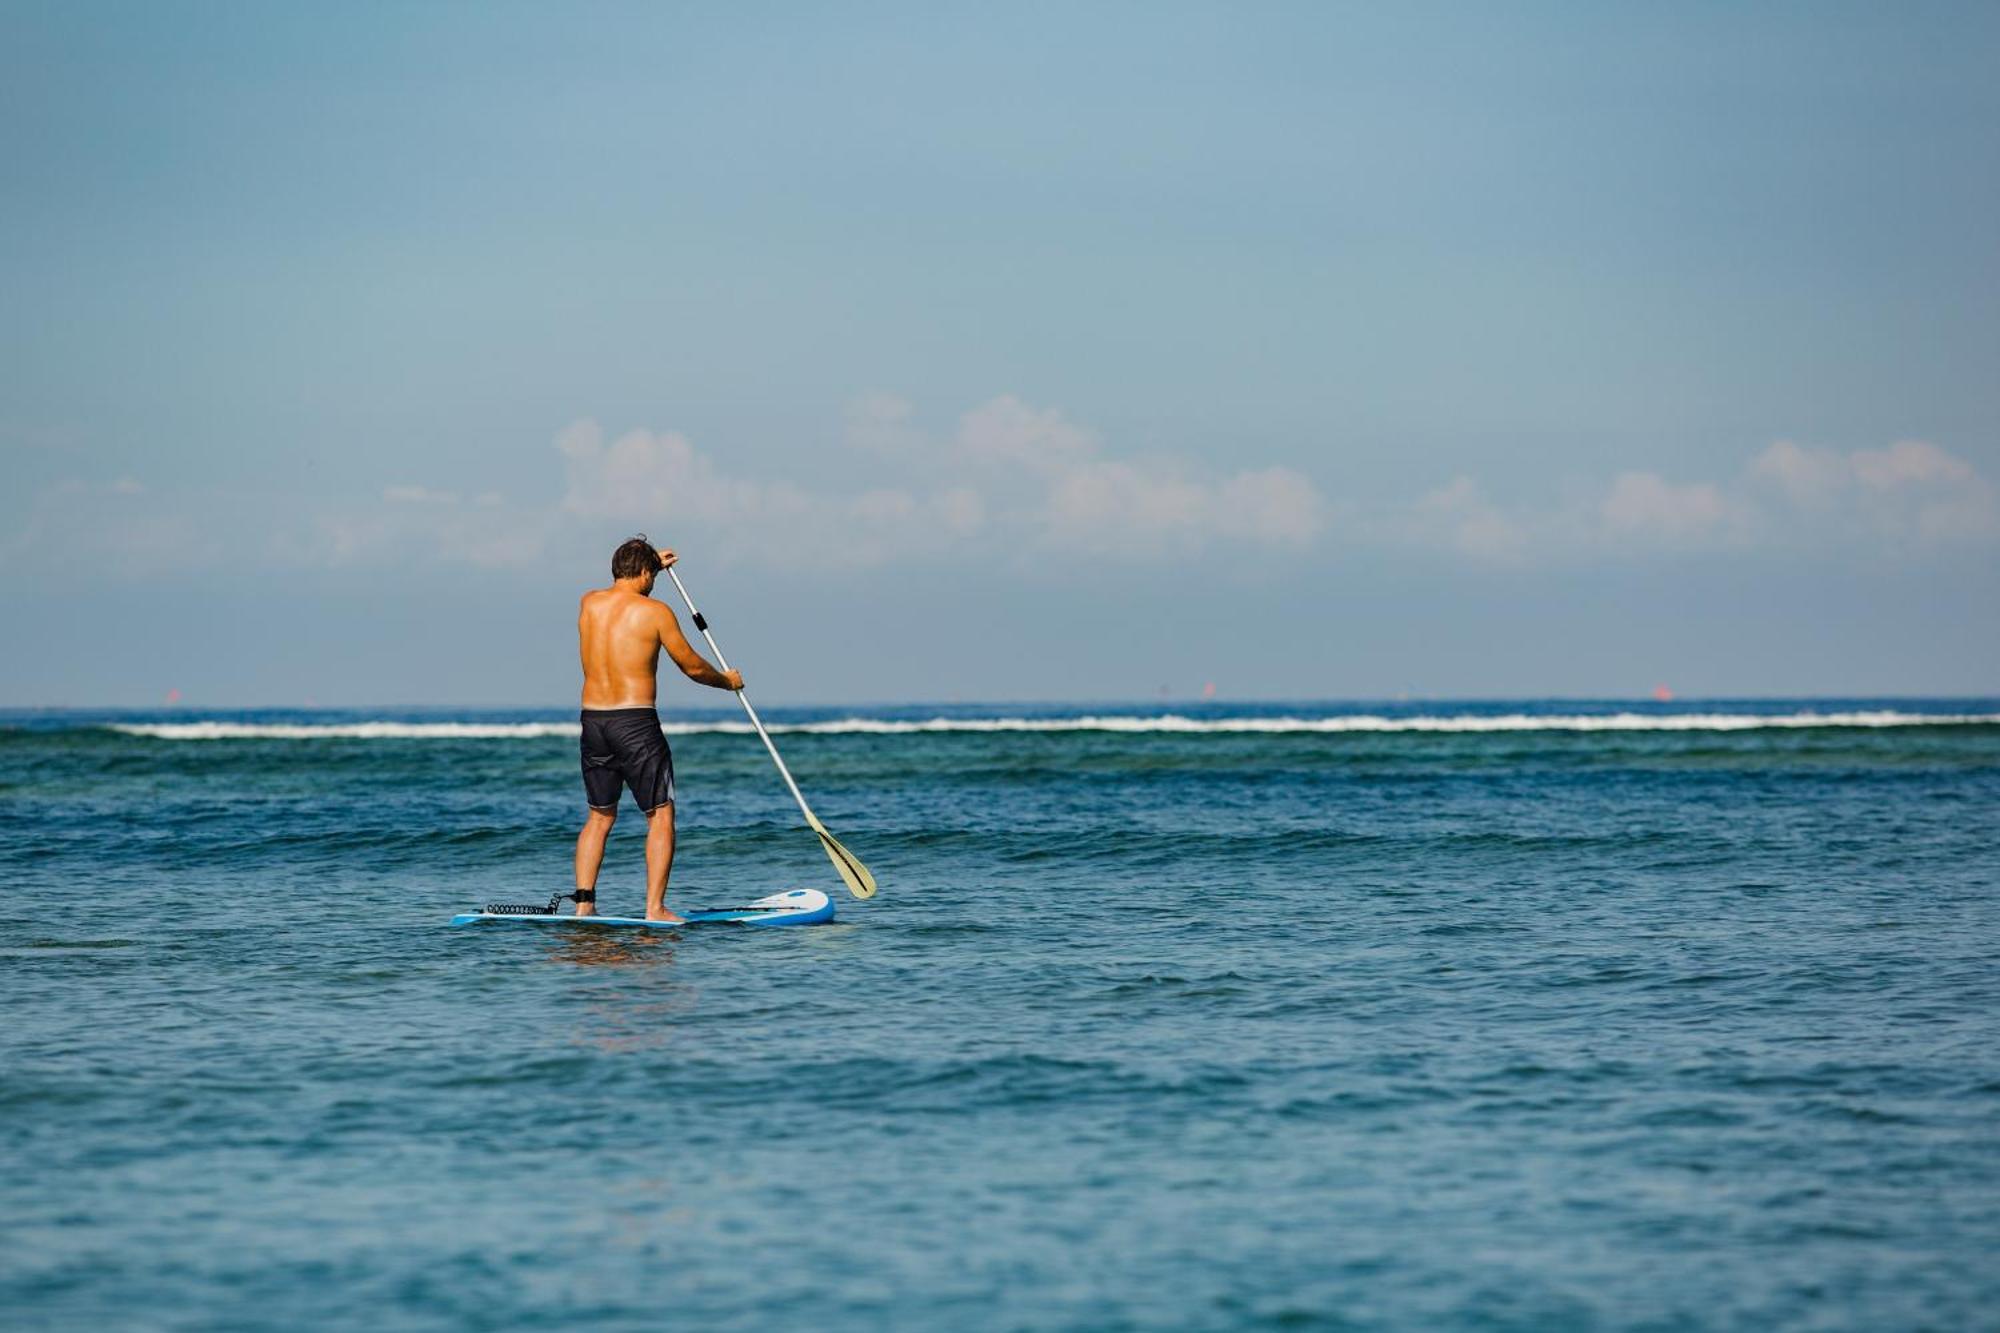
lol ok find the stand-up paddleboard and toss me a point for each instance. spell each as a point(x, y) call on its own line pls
point(794, 907)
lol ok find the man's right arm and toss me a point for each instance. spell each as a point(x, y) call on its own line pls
point(692, 664)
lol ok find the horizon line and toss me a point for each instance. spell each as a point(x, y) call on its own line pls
point(1172, 701)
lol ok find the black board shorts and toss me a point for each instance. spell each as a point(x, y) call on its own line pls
point(624, 747)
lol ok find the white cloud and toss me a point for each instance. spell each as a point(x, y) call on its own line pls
point(885, 424)
point(1006, 432)
point(1008, 481)
point(1273, 505)
point(1018, 481)
point(1810, 477)
point(1013, 482)
point(1647, 507)
point(1065, 490)
point(1011, 478)
point(1459, 515)
point(646, 477)
point(1907, 497)
point(1912, 493)
point(660, 482)
point(1908, 463)
point(1115, 508)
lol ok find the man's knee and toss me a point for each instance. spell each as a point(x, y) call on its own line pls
point(603, 818)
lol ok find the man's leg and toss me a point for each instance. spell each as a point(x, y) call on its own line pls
point(659, 862)
point(590, 853)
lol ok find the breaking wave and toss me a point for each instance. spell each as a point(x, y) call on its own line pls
point(1162, 723)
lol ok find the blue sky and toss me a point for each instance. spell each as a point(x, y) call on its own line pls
point(1004, 351)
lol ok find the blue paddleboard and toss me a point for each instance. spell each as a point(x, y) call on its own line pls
point(794, 907)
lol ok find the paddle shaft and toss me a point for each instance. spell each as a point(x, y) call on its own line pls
point(701, 623)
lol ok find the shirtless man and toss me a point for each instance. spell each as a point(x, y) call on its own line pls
point(620, 631)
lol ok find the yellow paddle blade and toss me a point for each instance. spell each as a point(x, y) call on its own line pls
point(855, 875)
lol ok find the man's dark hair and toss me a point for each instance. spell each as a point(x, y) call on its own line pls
point(634, 558)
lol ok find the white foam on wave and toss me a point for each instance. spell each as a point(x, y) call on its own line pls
point(363, 731)
point(1463, 722)
point(1162, 723)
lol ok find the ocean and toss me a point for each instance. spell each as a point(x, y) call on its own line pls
point(1553, 1015)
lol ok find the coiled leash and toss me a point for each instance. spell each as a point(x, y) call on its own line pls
point(581, 897)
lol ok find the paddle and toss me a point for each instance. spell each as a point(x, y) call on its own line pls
point(855, 875)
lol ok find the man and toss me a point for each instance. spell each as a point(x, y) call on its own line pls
point(620, 631)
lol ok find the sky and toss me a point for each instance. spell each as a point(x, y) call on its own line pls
point(1022, 352)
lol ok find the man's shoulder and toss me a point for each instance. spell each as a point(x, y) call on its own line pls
point(616, 600)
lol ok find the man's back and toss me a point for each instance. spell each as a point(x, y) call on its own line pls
point(618, 638)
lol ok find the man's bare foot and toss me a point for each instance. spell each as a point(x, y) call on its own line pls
point(664, 915)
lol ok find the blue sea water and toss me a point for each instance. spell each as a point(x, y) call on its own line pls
point(1427, 1016)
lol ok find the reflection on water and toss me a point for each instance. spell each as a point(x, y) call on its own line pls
point(614, 948)
point(627, 1023)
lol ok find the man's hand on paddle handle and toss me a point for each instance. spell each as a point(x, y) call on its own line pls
point(732, 680)
point(667, 558)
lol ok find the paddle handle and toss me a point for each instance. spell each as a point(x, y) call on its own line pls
point(701, 623)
